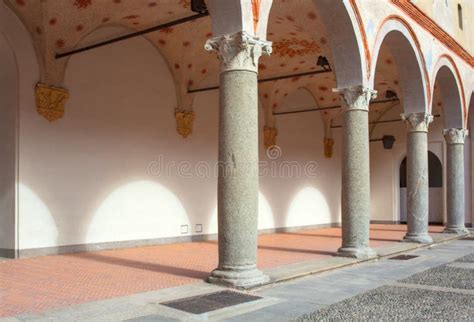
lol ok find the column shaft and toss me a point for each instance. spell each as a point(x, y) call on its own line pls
point(238, 160)
point(455, 180)
point(355, 198)
point(417, 178)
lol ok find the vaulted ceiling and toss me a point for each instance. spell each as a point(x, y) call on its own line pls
point(295, 28)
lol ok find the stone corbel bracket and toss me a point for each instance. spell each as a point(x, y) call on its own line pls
point(328, 147)
point(184, 122)
point(50, 101)
point(269, 136)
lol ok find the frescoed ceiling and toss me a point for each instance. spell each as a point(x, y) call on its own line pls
point(295, 28)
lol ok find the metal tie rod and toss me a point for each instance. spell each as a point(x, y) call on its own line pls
point(133, 34)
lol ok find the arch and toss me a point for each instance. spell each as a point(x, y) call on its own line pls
point(447, 76)
point(232, 16)
point(347, 40)
point(435, 171)
point(116, 26)
point(15, 29)
point(435, 183)
point(470, 111)
point(405, 47)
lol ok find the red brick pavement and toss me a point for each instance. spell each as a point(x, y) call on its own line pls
point(38, 284)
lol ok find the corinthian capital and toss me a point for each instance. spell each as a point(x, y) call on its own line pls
point(356, 97)
point(455, 136)
point(239, 51)
point(417, 122)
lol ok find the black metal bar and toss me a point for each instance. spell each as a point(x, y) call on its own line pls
point(265, 80)
point(378, 122)
point(133, 34)
point(329, 107)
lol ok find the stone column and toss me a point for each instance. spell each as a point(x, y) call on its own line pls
point(455, 180)
point(238, 159)
point(355, 172)
point(417, 177)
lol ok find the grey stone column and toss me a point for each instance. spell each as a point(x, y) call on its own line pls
point(455, 180)
point(355, 196)
point(417, 177)
point(238, 160)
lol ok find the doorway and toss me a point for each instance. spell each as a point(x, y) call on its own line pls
point(435, 183)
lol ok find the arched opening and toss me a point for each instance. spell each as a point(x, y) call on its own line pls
point(435, 183)
point(470, 156)
point(460, 22)
point(323, 41)
point(399, 77)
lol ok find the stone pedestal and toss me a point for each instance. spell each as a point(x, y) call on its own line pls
point(455, 180)
point(417, 177)
point(238, 160)
point(355, 172)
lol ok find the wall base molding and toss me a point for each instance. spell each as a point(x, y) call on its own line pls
point(56, 250)
point(34, 252)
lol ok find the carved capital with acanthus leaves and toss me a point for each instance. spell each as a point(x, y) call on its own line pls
point(356, 97)
point(455, 135)
point(239, 51)
point(417, 122)
point(269, 136)
point(184, 122)
point(50, 101)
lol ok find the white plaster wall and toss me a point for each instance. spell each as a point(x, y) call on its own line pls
point(94, 176)
point(385, 194)
point(19, 72)
point(8, 129)
point(311, 199)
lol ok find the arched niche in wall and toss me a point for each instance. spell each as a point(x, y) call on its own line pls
point(435, 183)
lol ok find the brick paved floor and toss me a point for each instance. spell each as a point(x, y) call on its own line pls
point(38, 284)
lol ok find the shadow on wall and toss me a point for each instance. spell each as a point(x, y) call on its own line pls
point(147, 210)
point(138, 210)
point(266, 219)
point(309, 207)
point(37, 225)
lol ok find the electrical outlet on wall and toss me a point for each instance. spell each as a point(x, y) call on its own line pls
point(184, 229)
point(198, 228)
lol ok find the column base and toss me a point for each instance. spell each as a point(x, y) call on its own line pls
point(356, 252)
point(455, 230)
point(238, 277)
point(417, 238)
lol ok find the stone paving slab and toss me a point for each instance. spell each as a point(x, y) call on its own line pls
point(398, 303)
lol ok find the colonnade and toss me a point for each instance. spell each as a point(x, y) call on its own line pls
point(238, 176)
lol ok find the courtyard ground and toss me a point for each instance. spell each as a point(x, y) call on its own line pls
point(129, 283)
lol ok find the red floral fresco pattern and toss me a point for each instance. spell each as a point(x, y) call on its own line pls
point(295, 47)
point(82, 3)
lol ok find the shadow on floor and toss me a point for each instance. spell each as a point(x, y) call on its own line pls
point(159, 268)
point(339, 237)
point(297, 250)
